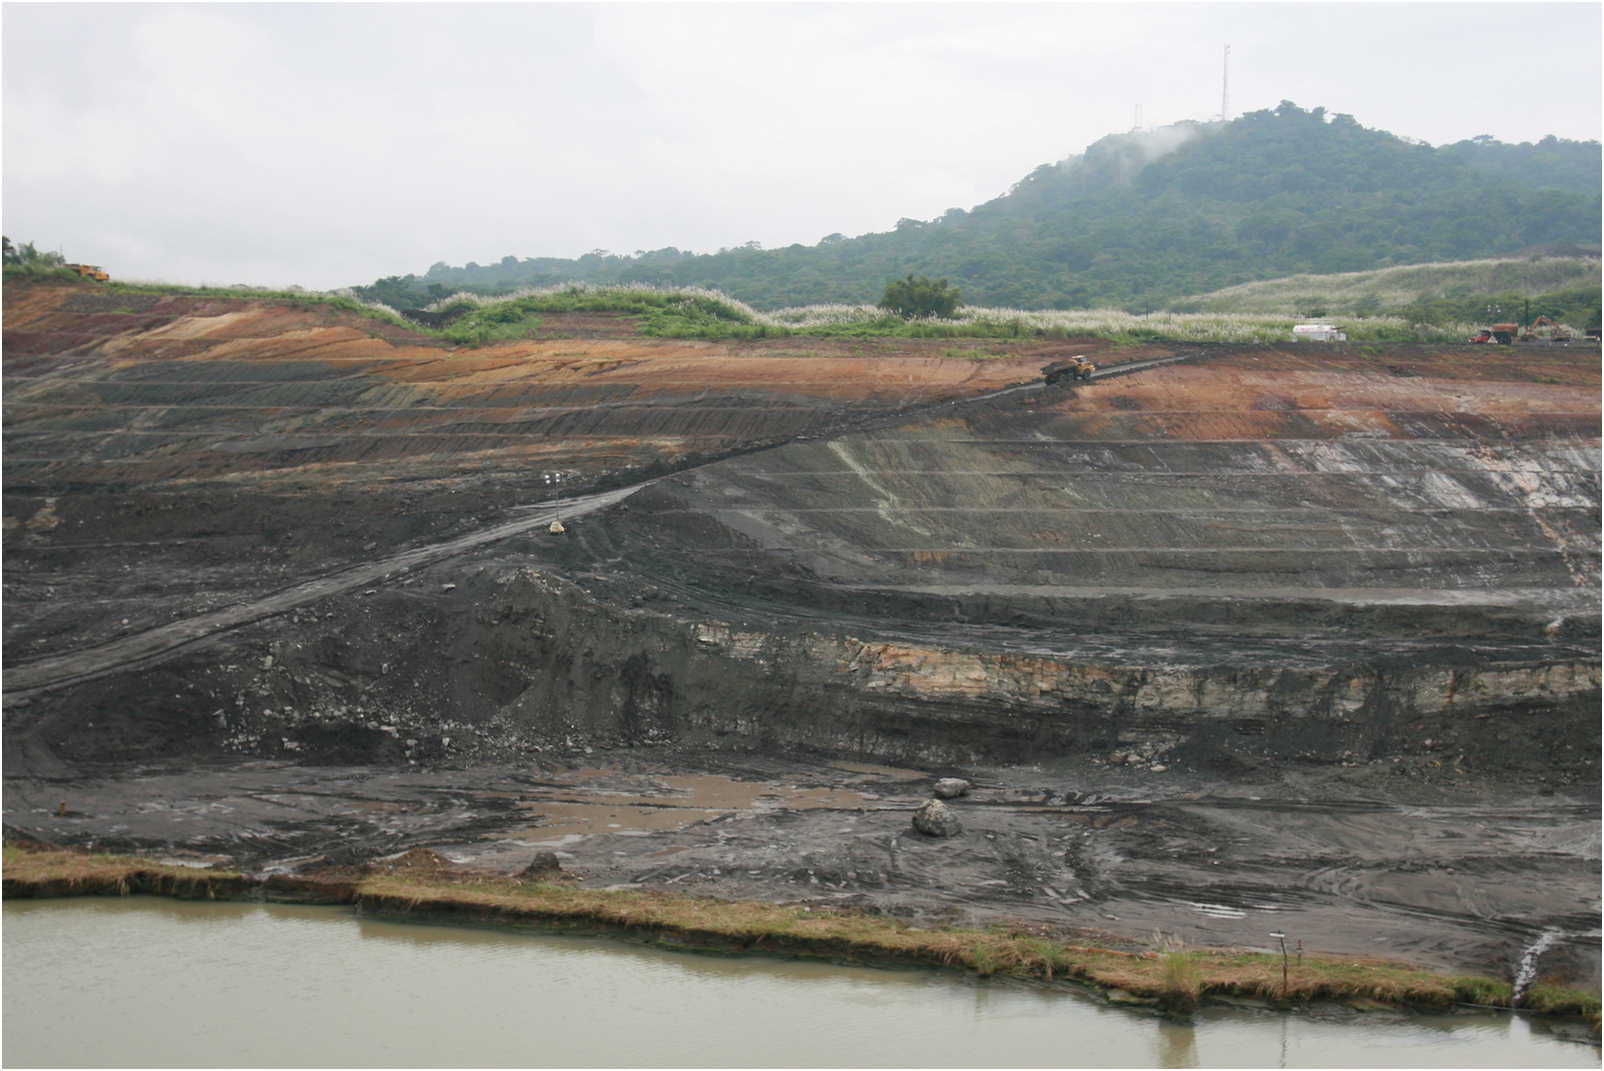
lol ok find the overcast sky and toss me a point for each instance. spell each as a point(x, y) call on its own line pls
point(326, 145)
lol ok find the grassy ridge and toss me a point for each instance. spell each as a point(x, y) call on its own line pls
point(695, 313)
point(1420, 303)
point(296, 298)
point(1425, 303)
point(686, 313)
point(1175, 979)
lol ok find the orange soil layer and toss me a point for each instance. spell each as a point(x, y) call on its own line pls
point(152, 387)
point(37, 323)
point(1273, 394)
point(168, 388)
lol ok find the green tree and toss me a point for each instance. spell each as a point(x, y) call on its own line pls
point(913, 297)
point(26, 256)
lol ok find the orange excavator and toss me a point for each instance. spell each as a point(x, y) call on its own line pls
point(1555, 332)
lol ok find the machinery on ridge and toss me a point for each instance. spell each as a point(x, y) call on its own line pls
point(1076, 367)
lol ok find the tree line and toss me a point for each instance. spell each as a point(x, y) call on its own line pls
point(1137, 221)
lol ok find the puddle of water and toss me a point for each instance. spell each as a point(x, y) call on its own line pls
point(887, 773)
point(636, 804)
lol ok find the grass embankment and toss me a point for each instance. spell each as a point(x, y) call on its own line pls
point(47, 872)
point(1174, 979)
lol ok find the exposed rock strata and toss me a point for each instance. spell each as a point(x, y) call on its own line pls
point(1268, 555)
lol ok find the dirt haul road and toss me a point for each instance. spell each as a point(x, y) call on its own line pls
point(1290, 637)
point(144, 648)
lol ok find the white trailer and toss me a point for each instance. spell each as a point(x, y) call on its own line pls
point(1318, 333)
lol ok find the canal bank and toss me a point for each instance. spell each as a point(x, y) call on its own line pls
point(424, 887)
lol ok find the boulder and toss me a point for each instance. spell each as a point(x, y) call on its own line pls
point(951, 788)
point(935, 819)
point(543, 867)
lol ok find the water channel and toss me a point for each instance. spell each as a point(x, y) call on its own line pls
point(142, 982)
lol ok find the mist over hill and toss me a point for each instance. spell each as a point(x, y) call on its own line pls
point(1145, 217)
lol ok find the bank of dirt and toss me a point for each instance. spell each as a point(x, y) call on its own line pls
point(420, 885)
point(1290, 637)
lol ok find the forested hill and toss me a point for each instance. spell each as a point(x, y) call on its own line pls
point(1146, 217)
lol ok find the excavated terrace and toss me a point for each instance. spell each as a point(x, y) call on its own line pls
point(1341, 596)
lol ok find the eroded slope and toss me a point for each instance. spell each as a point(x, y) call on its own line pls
point(165, 455)
point(1279, 637)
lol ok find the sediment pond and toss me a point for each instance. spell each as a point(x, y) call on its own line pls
point(142, 982)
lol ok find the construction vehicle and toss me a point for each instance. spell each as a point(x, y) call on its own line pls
point(1077, 367)
point(1503, 334)
point(89, 271)
point(1555, 332)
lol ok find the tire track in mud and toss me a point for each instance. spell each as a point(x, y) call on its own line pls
point(1440, 883)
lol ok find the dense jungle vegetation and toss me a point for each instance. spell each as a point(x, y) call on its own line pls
point(1141, 220)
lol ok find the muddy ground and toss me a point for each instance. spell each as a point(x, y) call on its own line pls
point(1365, 860)
point(1274, 638)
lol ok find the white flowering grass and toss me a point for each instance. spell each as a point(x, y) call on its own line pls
point(823, 315)
point(601, 291)
point(1186, 327)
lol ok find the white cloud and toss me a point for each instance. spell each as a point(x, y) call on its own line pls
point(331, 144)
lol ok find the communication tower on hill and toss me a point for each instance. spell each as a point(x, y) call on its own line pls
point(1225, 87)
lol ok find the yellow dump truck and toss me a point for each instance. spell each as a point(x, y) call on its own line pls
point(1077, 367)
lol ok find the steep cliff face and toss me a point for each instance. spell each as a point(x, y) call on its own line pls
point(647, 676)
point(514, 661)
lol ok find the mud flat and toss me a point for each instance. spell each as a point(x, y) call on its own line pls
point(1278, 638)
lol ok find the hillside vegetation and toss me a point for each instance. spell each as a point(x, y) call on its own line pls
point(1141, 220)
point(1423, 302)
point(1565, 289)
point(1431, 303)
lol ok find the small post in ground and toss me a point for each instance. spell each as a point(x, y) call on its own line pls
point(1279, 936)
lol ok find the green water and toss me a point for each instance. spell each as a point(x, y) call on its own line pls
point(157, 983)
